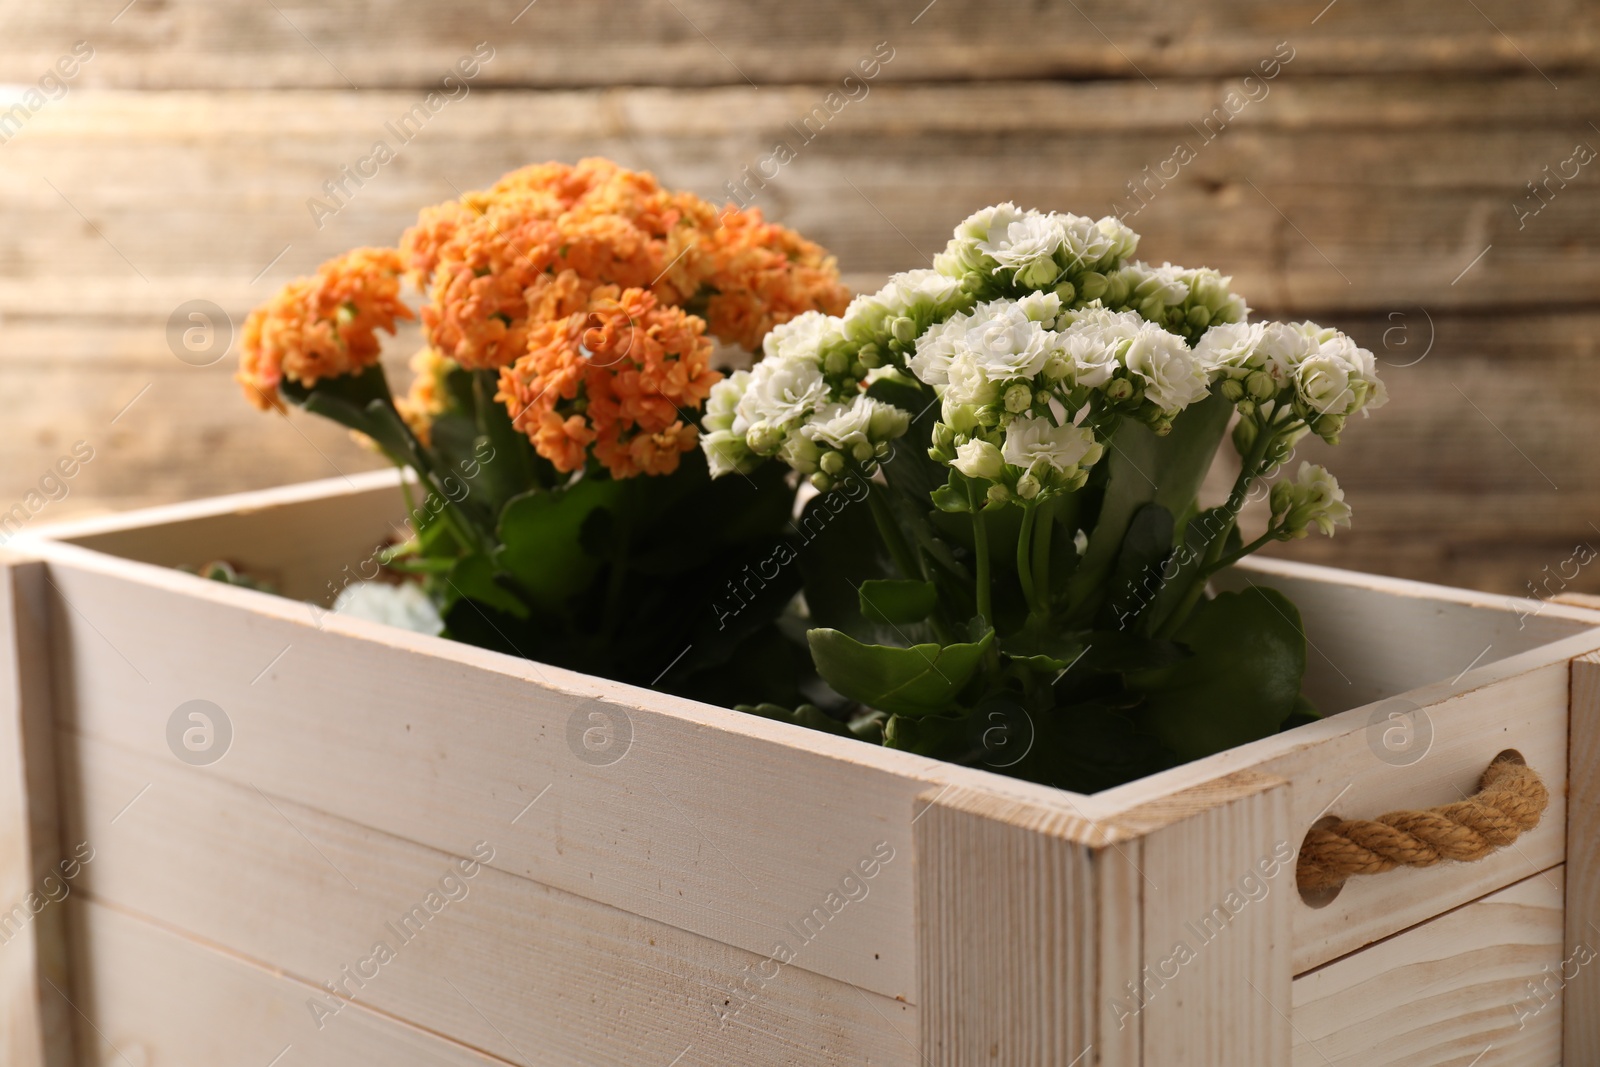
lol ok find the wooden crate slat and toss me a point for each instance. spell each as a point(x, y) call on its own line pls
point(236, 44)
point(577, 981)
point(1581, 976)
point(35, 1030)
point(1014, 913)
point(423, 738)
point(1446, 992)
point(154, 996)
point(1217, 866)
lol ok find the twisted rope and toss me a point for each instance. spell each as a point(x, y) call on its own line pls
point(1509, 801)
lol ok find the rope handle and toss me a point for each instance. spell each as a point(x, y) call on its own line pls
point(1509, 802)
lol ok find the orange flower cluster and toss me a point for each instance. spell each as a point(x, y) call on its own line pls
point(619, 378)
point(487, 261)
point(322, 327)
point(527, 276)
point(764, 274)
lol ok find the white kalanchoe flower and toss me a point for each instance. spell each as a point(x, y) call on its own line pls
point(1338, 378)
point(856, 428)
point(936, 348)
point(1312, 498)
point(781, 393)
point(1095, 342)
point(725, 450)
point(1026, 247)
point(1033, 443)
point(1004, 343)
point(1229, 350)
point(977, 458)
point(1172, 377)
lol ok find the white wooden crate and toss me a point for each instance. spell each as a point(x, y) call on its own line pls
point(631, 910)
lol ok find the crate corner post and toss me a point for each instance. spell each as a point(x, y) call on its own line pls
point(37, 1023)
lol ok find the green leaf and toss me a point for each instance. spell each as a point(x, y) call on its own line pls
point(897, 601)
point(541, 536)
point(1137, 577)
point(473, 577)
point(919, 680)
point(1241, 683)
point(1143, 469)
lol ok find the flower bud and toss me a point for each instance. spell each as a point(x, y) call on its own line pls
point(1282, 497)
point(822, 482)
point(1092, 286)
point(1119, 389)
point(998, 494)
point(1328, 427)
point(1039, 275)
point(1161, 426)
point(1019, 398)
point(835, 362)
point(764, 438)
point(1232, 390)
point(1199, 317)
point(869, 356)
point(904, 330)
point(858, 369)
point(862, 451)
point(978, 458)
point(1261, 386)
point(1244, 436)
point(1028, 487)
point(1066, 292)
point(831, 462)
point(1247, 408)
point(848, 385)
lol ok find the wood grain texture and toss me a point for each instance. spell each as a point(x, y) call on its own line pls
point(187, 43)
point(1350, 199)
point(1446, 993)
point(35, 1030)
point(153, 996)
point(1218, 889)
point(577, 982)
point(1015, 906)
point(1581, 994)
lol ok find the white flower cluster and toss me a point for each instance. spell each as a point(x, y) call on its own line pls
point(1294, 370)
point(883, 326)
point(800, 405)
point(1003, 248)
point(1311, 498)
point(1037, 337)
point(1187, 301)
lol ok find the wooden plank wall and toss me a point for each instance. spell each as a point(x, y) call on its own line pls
point(1379, 182)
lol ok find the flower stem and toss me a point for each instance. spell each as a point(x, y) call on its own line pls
point(1249, 470)
point(889, 530)
point(1030, 516)
point(980, 541)
point(1041, 560)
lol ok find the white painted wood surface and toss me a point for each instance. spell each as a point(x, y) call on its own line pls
point(1465, 988)
point(503, 964)
point(1217, 880)
point(1581, 1041)
point(148, 996)
point(391, 748)
point(1023, 915)
point(35, 1030)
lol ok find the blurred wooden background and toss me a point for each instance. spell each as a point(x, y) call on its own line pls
point(1380, 182)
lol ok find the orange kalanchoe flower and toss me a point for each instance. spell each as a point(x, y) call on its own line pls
point(618, 377)
point(766, 274)
point(322, 327)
